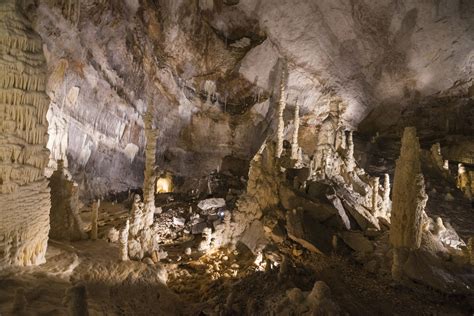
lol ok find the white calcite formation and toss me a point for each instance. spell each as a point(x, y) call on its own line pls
point(65, 221)
point(142, 241)
point(281, 123)
point(409, 201)
point(386, 202)
point(295, 148)
point(463, 181)
point(24, 192)
point(123, 241)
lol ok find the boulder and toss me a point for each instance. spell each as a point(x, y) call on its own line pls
point(308, 232)
point(211, 203)
point(357, 241)
point(292, 200)
point(424, 267)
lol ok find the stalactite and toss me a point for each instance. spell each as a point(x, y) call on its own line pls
point(294, 143)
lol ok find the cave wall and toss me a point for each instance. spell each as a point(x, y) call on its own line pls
point(24, 193)
point(209, 71)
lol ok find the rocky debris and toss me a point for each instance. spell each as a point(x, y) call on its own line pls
point(212, 203)
point(357, 241)
point(254, 237)
point(425, 267)
point(316, 302)
point(308, 232)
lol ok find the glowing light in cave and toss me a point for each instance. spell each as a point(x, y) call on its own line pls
point(164, 185)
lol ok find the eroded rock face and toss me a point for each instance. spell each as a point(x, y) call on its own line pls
point(24, 192)
point(212, 70)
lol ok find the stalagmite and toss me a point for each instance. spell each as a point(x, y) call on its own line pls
point(436, 155)
point(375, 195)
point(66, 223)
point(409, 201)
point(386, 203)
point(350, 161)
point(463, 181)
point(94, 218)
point(294, 142)
point(281, 122)
point(24, 192)
point(151, 135)
point(446, 165)
point(123, 241)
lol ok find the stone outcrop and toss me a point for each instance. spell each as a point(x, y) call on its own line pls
point(409, 201)
point(65, 221)
point(24, 192)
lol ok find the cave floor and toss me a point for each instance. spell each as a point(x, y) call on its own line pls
point(201, 284)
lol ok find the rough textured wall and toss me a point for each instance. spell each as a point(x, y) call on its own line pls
point(24, 193)
point(209, 70)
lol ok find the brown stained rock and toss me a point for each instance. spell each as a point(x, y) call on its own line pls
point(319, 211)
point(357, 241)
point(306, 231)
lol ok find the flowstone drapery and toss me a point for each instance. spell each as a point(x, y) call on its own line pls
point(24, 192)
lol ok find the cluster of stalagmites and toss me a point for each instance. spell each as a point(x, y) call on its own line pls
point(24, 192)
point(321, 199)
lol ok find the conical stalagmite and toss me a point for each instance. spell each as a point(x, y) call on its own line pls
point(409, 201)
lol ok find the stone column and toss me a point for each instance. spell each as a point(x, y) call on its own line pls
point(294, 142)
point(151, 135)
point(123, 241)
point(281, 122)
point(94, 219)
point(375, 195)
point(386, 203)
point(350, 161)
point(409, 201)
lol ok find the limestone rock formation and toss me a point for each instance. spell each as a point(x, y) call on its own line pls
point(94, 219)
point(24, 192)
point(409, 201)
point(65, 221)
